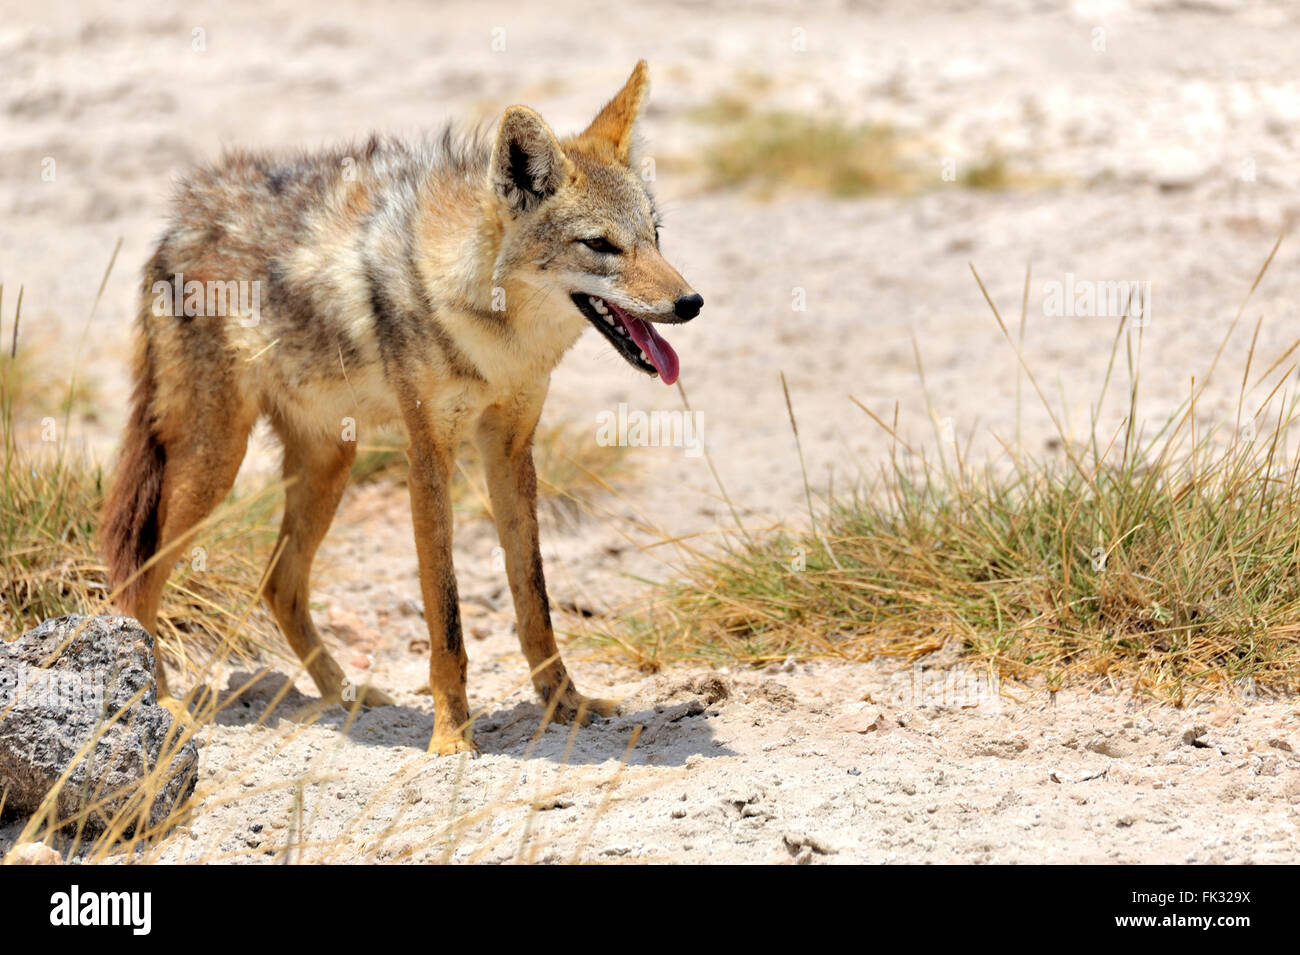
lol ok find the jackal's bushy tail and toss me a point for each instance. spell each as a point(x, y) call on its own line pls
point(129, 526)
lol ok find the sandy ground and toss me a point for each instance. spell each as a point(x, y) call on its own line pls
point(810, 763)
point(1168, 156)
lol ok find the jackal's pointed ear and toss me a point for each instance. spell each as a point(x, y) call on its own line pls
point(615, 123)
point(528, 165)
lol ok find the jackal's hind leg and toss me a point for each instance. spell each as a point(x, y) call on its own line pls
point(200, 471)
point(317, 472)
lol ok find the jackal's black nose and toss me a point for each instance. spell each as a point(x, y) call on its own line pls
point(688, 306)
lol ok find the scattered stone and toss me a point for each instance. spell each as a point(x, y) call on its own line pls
point(349, 628)
point(1269, 766)
point(33, 853)
point(1179, 168)
point(1195, 735)
point(713, 689)
point(788, 665)
point(804, 840)
point(1057, 776)
point(545, 805)
point(799, 856)
point(862, 718)
point(1107, 746)
point(777, 693)
point(1221, 716)
point(60, 685)
point(667, 715)
point(675, 714)
point(1003, 748)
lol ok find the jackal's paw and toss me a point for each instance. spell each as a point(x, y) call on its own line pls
point(367, 697)
point(177, 709)
point(573, 705)
point(452, 744)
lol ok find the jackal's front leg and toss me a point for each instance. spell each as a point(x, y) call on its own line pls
point(505, 441)
point(431, 456)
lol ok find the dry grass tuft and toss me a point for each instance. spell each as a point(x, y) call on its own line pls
point(50, 499)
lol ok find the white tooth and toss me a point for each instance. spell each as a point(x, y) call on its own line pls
point(608, 319)
point(644, 356)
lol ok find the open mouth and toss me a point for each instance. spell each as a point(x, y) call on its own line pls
point(634, 339)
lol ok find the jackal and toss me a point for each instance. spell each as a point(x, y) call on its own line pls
point(434, 285)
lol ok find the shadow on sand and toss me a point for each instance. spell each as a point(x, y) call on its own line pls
point(670, 733)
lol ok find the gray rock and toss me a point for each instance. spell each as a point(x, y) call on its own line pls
point(58, 689)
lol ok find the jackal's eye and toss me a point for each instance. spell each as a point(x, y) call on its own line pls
point(602, 245)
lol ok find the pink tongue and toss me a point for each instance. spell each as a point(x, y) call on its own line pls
point(652, 343)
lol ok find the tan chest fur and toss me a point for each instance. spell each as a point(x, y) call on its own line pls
point(351, 398)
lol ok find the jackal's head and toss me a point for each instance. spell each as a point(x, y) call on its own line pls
point(578, 221)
